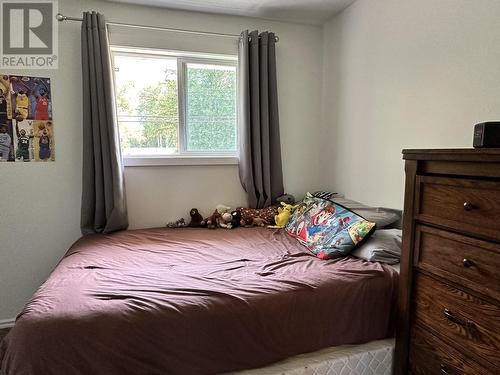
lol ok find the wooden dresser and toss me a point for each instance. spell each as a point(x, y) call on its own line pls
point(449, 295)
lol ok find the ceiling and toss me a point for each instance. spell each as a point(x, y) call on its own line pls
point(313, 12)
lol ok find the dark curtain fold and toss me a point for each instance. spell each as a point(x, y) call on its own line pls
point(260, 149)
point(103, 195)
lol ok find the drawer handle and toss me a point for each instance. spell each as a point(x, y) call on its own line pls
point(467, 263)
point(452, 318)
point(444, 369)
point(468, 206)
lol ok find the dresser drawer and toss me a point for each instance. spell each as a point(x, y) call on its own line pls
point(465, 321)
point(464, 260)
point(471, 206)
point(429, 356)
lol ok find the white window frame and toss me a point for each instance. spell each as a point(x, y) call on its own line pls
point(184, 156)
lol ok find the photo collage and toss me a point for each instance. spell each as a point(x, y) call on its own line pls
point(26, 126)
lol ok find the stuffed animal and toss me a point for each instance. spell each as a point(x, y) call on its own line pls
point(230, 220)
point(222, 208)
point(177, 224)
point(253, 222)
point(268, 213)
point(226, 220)
point(196, 218)
point(246, 222)
point(259, 222)
point(235, 219)
point(286, 198)
point(283, 216)
point(214, 220)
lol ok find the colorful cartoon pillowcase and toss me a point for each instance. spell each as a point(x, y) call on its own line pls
point(302, 206)
point(328, 229)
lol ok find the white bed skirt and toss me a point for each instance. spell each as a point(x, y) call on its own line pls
point(373, 358)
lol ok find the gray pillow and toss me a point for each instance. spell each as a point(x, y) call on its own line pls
point(383, 217)
point(384, 246)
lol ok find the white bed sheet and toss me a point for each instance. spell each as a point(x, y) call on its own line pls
point(373, 358)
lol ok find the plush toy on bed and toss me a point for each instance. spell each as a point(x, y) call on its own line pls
point(248, 214)
point(246, 222)
point(177, 224)
point(222, 209)
point(235, 219)
point(230, 220)
point(196, 219)
point(259, 222)
point(286, 198)
point(283, 216)
point(253, 222)
point(214, 220)
point(225, 221)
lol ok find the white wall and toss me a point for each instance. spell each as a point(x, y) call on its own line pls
point(40, 204)
point(405, 74)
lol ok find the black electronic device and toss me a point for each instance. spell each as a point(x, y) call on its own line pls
point(487, 135)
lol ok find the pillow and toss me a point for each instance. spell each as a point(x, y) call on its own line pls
point(328, 229)
point(383, 246)
point(383, 217)
point(302, 206)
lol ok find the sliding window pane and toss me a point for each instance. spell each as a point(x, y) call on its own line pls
point(211, 108)
point(147, 104)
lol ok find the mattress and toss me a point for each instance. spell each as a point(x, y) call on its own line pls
point(373, 358)
point(194, 301)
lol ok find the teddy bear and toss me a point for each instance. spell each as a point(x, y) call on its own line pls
point(230, 220)
point(226, 220)
point(222, 209)
point(213, 221)
point(196, 218)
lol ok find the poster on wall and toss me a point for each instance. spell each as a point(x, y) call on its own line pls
point(26, 126)
point(6, 141)
point(23, 139)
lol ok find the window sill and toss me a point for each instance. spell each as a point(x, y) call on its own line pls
point(144, 161)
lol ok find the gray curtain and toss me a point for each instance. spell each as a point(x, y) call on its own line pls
point(103, 195)
point(260, 151)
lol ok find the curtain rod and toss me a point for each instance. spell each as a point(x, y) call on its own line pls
point(60, 17)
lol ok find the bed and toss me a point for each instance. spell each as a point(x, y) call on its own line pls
point(195, 301)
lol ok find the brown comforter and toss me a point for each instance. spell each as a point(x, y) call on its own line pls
point(194, 301)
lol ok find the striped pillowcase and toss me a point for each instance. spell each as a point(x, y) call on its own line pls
point(324, 194)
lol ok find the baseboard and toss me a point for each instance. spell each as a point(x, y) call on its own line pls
point(7, 323)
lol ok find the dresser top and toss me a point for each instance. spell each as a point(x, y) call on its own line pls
point(454, 154)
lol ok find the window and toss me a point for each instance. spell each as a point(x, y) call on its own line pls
point(175, 106)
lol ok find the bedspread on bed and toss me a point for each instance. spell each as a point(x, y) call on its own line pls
point(194, 301)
